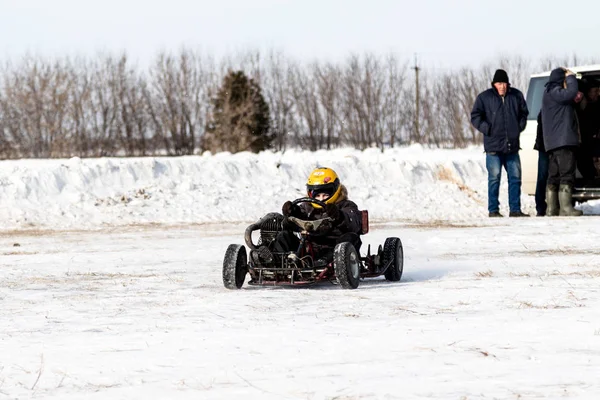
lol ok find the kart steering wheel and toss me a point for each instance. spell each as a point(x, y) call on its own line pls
point(312, 226)
point(309, 200)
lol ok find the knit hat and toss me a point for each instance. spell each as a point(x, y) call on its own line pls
point(557, 76)
point(500, 76)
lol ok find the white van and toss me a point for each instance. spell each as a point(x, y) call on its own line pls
point(529, 156)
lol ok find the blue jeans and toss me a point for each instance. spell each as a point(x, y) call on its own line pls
point(512, 164)
point(542, 179)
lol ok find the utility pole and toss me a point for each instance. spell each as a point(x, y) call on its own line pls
point(417, 99)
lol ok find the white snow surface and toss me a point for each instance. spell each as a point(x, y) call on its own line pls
point(111, 287)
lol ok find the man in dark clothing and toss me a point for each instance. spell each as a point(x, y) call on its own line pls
point(561, 140)
point(542, 169)
point(588, 115)
point(500, 113)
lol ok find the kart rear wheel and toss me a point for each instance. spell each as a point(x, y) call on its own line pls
point(346, 265)
point(235, 266)
point(392, 250)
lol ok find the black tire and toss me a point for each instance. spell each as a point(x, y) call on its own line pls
point(346, 265)
point(392, 250)
point(235, 266)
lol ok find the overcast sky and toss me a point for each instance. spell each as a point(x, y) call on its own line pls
point(443, 33)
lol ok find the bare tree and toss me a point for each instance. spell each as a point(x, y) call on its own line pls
point(276, 84)
point(394, 116)
point(177, 98)
point(35, 106)
point(328, 91)
point(79, 109)
point(308, 124)
point(363, 86)
point(470, 84)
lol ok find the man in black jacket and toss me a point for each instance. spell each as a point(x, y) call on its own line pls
point(500, 113)
point(561, 140)
point(588, 116)
point(542, 169)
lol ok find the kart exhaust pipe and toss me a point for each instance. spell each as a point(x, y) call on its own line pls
point(269, 225)
point(248, 234)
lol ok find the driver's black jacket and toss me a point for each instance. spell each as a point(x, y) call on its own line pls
point(349, 220)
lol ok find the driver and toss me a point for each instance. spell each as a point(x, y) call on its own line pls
point(323, 184)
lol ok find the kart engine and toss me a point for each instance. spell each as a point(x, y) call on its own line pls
point(270, 226)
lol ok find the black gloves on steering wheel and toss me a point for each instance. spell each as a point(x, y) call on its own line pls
point(333, 212)
point(289, 209)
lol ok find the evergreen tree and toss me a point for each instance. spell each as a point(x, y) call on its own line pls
point(240, 119)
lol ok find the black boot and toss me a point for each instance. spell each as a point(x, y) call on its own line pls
point(518, 214)
point(565, 198)
point(552, 200)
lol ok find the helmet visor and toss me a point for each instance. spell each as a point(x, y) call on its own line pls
point(328, 189)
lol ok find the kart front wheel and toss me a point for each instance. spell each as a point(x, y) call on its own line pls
point(235, 266)
point(346, 265)
point(393, 251)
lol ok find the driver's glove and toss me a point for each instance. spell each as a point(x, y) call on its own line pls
point(289, 209)
point(333, 212)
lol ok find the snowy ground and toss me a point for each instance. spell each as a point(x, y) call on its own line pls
point(503, 309)
point(111, 288)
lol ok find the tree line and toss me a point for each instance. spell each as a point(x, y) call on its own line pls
point(187, 102)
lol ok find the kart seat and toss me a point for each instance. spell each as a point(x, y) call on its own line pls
point(364, 222)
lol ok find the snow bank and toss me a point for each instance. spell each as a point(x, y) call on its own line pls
point(411, 183)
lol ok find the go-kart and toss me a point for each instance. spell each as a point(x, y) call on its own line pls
point(310, 263)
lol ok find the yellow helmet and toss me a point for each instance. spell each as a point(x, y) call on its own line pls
point(323, 180)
